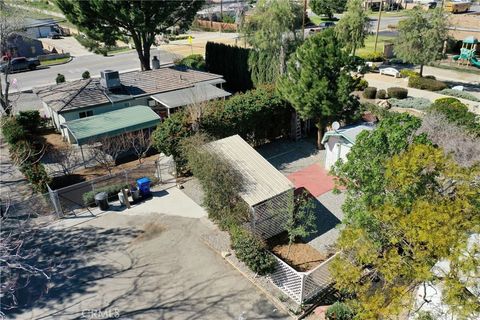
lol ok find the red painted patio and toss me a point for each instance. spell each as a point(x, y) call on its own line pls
point(314, 178)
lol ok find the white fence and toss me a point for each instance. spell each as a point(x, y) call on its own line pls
point(301, 286)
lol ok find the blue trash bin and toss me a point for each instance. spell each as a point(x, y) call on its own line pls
point(144, 186)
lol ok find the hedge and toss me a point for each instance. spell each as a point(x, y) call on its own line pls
point(339, 311)
point(193, 61)
point(370, 93)
point(12, 131)
point(376, 56)
point(30, 121)
point(381, 94)
point(409, 73)
point(457, 112)
point(397, 93)
point(232, 63)
point(426, 84)
point(36, 175)
point(112, 191)
point(412, 103)
point(459, 94)
point(252, 251)
point(361, 85)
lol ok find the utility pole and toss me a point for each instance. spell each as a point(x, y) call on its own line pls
point(378, 25)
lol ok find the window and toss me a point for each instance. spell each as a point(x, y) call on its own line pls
point(85, 114)
point(151, 102)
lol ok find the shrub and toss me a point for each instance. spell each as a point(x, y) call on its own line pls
point(457, 112)
point(426, 84)
point(193, 61)
point(370, 93)
point(86, 75)
point(459, 94)
point(412, 103)
point(36, 175)
point(362, 84)
point(112, 191)
point(339, 311)
point(376, 56)
point(12, 131)
point(398, 93)
point(430, 77)
point(252, 251)
point(409, 73)
point(381, 94)
point(29, 120)
point(60, 78)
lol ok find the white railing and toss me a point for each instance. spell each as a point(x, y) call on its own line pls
point(301, 286)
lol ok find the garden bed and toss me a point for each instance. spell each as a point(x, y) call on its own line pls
point(302, 256)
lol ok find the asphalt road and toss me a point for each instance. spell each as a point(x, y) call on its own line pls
point(74, 69)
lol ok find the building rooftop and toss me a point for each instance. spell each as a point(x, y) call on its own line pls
point(349, 133)
point(262, 180)
point(85, 93)
point(196, 94)
point(112, 123)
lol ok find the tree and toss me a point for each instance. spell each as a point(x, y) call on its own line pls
point(327, 7)
point(65, 158)
point(352, 29)
point(271, 31)
point(11, 21)
point(60, 78)
point(86, 75)
point(108, 20)
point(140, 142)
point(424, 214)
point(106, 150)
point(318, 83)
point(421, 36)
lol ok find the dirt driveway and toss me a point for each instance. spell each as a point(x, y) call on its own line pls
point(140, 265)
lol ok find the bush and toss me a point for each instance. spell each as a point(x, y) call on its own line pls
point(412, 103)
point(60, 78)
point(370, 93)
point(430, 77)
point(362, 84)
point(36, 175)
point(381, 94)
point(339, 311)
point(459, 94)
point(426, 84)
point(193, 61)
point(376, 56)
point(397, 93)
point(30, 121)
point(86, 75)
point(409, 73)
point(252, 251)
point(457, 112)
point(12, 131)
point(112, 191)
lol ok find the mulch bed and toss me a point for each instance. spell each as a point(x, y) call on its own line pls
point(302, 256)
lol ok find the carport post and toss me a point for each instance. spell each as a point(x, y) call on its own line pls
point(302, 287)
point(83, 157)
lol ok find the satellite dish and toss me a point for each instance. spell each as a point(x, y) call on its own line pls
point(336, 126)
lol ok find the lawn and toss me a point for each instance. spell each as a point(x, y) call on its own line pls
point(54, 61)
point(317, 20)
point(401, 13)
point(370, 43)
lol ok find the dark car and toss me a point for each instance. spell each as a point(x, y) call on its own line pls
point(326, 24)
point(19, 64)
point(54, 35)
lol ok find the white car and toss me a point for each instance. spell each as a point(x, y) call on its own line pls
point(390, 72)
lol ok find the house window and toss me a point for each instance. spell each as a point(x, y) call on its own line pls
point(151, 102)
point(85, 114)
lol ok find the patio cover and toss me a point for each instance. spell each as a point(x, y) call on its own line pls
point(112, 123)
point(196, 94)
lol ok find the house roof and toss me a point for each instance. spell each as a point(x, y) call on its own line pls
point(262, 180)
point(196, 94)
point(349, 133)
point(85, 93)
point(112, 123)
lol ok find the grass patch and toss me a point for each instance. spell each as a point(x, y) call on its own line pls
point(40, 5)
point(54, 61)
point(370, 44)
point(456, 68)
point(119, 50)
point(400, 13)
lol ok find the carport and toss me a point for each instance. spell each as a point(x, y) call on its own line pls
point(110, 124)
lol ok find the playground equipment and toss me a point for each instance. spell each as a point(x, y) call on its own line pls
point(467, 53)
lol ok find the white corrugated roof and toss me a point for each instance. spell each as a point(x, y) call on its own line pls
point(262, 180)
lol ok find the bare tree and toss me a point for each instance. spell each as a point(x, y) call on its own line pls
point(11, 21)
point(65, 158)
point(140, 142)
point(107, 149)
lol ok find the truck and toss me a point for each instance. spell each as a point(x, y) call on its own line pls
point(457, 6)
point(19, 64)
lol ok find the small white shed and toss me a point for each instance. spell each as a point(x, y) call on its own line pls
point(339, 142)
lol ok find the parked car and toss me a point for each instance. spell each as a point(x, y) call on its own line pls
point(326, 24)
point(19, 64)
point(390, 72)
point(54, 35)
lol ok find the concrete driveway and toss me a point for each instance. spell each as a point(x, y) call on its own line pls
point(141, 264)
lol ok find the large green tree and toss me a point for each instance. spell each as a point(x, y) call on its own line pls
point(271, 31)
point(140, 20)
point(408, 206)
point(421, 36)
point(352, 29)
point(327, 7)
point(318, 83)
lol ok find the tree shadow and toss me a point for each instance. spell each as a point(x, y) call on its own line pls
point(64, 254)
point(468, 87)
point(282, 153)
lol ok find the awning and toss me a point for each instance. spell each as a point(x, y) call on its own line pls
point(113, 123)
point(196, 94)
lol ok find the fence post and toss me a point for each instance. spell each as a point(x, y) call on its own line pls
point(303, 276)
